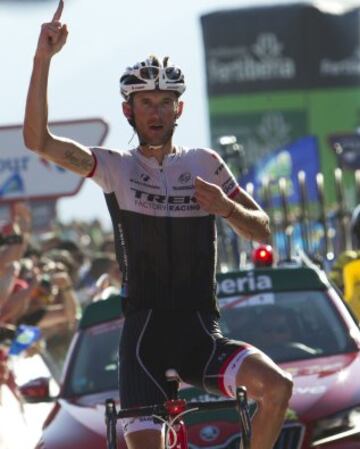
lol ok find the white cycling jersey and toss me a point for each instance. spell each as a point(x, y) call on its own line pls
point(165, 243)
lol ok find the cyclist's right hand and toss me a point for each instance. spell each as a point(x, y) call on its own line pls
point(52, 36)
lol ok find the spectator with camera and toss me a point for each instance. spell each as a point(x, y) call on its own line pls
point(34, 291)
point(14, 238)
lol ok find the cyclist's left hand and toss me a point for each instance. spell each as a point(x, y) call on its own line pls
point(211, 198)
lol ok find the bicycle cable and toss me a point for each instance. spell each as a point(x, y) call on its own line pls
point(170, 426)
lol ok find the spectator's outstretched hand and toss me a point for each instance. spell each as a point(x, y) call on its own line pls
point(53, 35)
point(22, 216)
point(7, 279)
point(64, 283)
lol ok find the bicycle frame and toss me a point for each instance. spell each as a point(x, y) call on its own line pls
point(171, 413)
point(176, 433)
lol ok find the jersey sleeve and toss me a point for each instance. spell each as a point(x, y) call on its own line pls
point(221, 175)
point(103, 168)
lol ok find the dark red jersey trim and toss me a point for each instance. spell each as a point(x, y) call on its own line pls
point(235, 192)
point(91, 174)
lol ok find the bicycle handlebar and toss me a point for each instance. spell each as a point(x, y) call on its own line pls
point(177, 407)
point(161, 410)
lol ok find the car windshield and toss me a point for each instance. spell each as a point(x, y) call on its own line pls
point(95, 360)
point(287, 326)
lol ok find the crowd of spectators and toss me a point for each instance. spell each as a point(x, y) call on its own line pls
point(46, 280)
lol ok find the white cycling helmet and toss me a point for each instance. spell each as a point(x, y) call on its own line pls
point(152, 75)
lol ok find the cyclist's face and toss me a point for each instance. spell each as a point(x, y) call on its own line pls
point(155, 114)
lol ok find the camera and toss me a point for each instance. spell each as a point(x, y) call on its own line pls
point(7, 333)
point(45, 283)
point(13, 239)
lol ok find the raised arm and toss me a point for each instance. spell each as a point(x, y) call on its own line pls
point(37, 137)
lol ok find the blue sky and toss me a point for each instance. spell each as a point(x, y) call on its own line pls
point(104, 37)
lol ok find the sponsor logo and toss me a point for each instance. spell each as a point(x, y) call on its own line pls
point(249, 300)
point(209, 433)
point(163, 199)
point(128, 422)
point(144, 177)
point(248, 283)
point(141, 87)
point(228, 185)
point(262, 61)
point(219, 169)
point(144, 182)
point(184, 177)
point(206, 397)
point(344, 67)
point(162, 202)
point(123, 255)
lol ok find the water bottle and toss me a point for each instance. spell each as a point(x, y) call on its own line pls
point(25, 336)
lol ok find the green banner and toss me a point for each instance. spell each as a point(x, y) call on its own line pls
point(278, 73)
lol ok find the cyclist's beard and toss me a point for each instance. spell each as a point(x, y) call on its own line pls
point(156, 145)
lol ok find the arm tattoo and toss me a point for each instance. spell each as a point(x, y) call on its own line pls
point(80, 162)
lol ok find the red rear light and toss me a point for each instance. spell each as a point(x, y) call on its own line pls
point(262, 256)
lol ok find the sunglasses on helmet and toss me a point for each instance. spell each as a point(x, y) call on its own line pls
point(153, 72)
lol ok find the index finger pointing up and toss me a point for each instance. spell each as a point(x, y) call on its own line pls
point(58, 12)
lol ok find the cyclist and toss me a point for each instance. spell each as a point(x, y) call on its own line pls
point(163, 199)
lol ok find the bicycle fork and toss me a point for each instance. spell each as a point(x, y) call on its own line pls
point(176, 433)
point(176, 437)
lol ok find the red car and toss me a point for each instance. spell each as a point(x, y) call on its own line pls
point(290, 312)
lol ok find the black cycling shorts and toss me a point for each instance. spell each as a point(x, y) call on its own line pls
point(189, 342)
